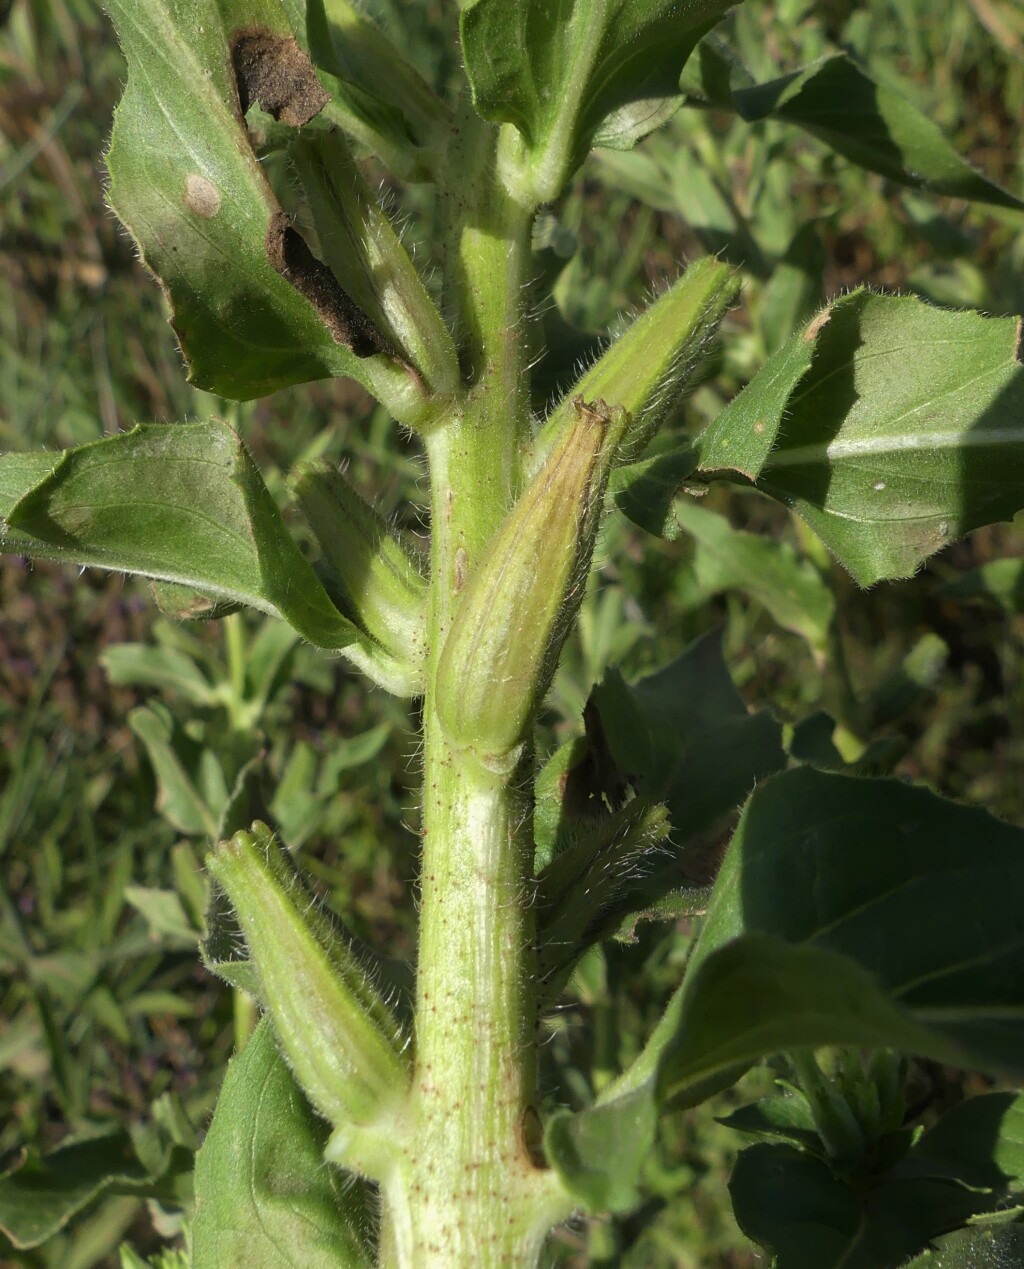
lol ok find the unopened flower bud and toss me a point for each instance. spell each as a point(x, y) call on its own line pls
point(647, 368)
point(381, 579)
point(334, 1029)
point(501, 650)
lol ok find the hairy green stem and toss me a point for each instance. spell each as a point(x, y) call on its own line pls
point(469, 1190)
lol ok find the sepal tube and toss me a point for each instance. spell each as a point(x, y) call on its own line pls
point(335, 1030)
point(500, 652)
point(380, 577)
point(648, 367)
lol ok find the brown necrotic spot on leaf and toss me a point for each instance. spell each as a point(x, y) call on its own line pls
point(348, 324)
point(201, 196)
point(273, 71)
point(814, 327)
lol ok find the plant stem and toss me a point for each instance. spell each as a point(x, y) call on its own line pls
point(476, 1196)
point(468, 1191)
point(234, 634)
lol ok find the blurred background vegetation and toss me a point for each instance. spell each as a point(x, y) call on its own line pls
point(115, 763)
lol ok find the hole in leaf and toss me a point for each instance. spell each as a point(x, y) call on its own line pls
point(348, 324)
point(274, 71)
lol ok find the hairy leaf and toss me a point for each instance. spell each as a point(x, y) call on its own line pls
point(183, 503)
point(254, 310)
point(683, 735)
point(645, 491)
point(264, 1194)
point(890, 426)
point(755, 996)
point(852, 864)
point(564, 73)
point(838, 102)
point(805, 944)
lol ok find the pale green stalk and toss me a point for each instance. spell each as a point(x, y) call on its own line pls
point(469, 1190)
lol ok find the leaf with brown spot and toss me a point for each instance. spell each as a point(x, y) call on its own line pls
point(290, 255)
point(185, 181)
point(274, 72)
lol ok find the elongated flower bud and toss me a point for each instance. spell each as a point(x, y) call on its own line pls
point(336, 1032)
point(385, 588)
point(647, 368)
point(501, 650)
point(368, 259)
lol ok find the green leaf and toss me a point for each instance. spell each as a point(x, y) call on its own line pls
point(959, 1171)
point(852, 864)
point(268, 659)
point(350, 752)
point(891, 427)
point(184, 503)
point(223, 946)
point(839, 103)
point(585, 893)
point(164, 913)
point(981, 1141)
point(662, 762)
point(175, 760)
point(253, 309)
point(755, 996)
point(378, 85)
point(769, 572)
point(777, 1118)
point(684, 736)
point(645, 491)
point(19, 472)
point(182, 603)
point(568, 75)
point(991, 1246)
point(911, 682)
point(812, 741)
point(600, 1155)
point(758, 995)
point(1000, 582)
point(805, 944)
point(264, 1195)
point(794, 291)
point(143, 665)
point(792, 1205)
point(41, 1195)
point(555, 803)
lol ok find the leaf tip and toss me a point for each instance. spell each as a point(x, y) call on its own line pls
point(814, 327)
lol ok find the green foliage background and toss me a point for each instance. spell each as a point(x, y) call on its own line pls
point(103, 1007)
